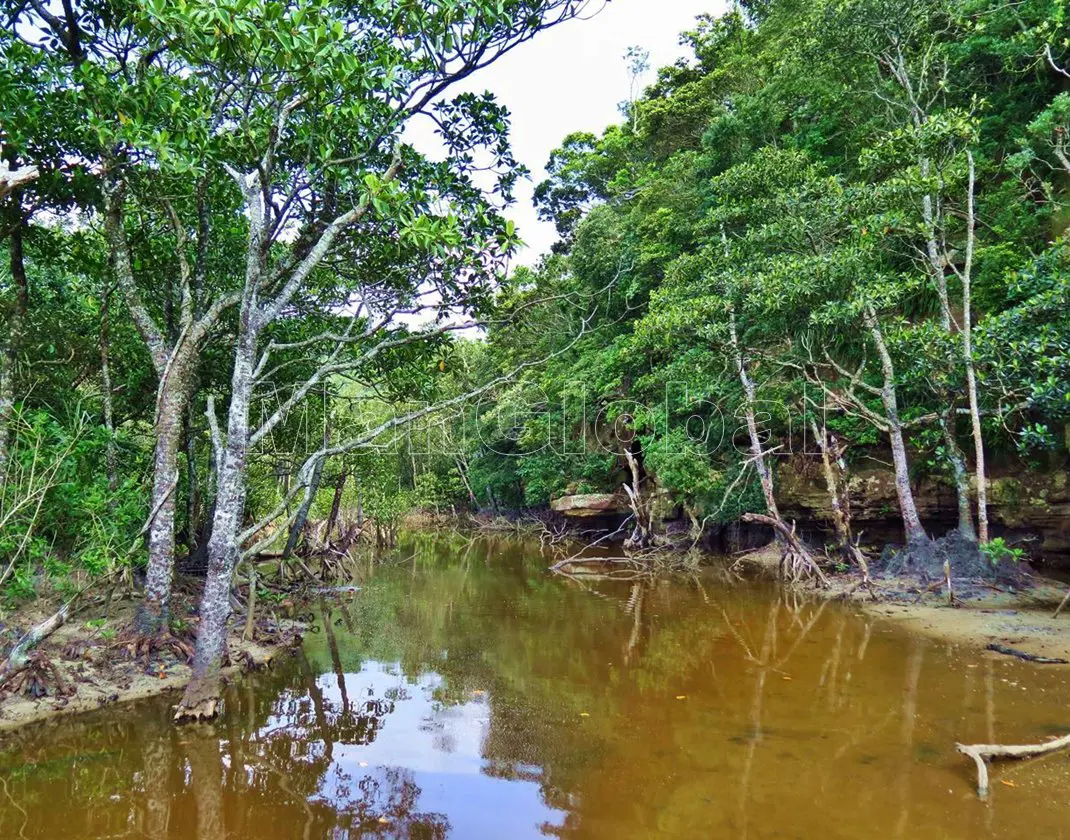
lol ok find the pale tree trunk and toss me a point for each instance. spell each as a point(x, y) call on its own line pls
point(192, 481)
point(172, 401)
point(201, 697)
point(462, 471)
point(301, 518)
point(915, 534)
point(202, 694)
point(841, 520)
point(971, 371)
point(643, 532)
point(306, 503)
point(749, 399)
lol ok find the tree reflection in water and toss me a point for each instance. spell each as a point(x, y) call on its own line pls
point(465, 693)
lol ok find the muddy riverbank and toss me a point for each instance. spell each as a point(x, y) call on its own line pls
point(91, 662)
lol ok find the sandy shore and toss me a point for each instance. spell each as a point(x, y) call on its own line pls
point(1019, 618)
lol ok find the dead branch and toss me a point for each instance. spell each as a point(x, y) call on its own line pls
point(980, 753)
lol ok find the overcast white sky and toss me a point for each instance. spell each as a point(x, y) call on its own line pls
point(571, 78)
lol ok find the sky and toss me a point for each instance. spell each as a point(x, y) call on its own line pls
point(571, 78)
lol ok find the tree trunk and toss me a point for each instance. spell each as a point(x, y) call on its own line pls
point(172, 400)
point(971, 371)
point(915, 534)
point(310, 496)
point(643, 532)
point(9, 352)
point(749, 398)
point(201, 697)
point(462, 471)
point(193, 498)
point(301, 518)
point(840, 522)
point(111, 458)
point(960, 474)
point(336, 504)
point(841, 517)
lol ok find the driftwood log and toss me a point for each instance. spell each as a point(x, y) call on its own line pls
point(19, 654)
point(980, 753)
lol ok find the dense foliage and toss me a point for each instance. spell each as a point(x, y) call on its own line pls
point(836, 226)
point(815, 180)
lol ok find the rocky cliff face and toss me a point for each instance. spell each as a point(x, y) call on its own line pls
point(1030, 509)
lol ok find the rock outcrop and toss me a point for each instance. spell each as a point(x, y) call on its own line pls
point(591, 504)
point(1030, 509)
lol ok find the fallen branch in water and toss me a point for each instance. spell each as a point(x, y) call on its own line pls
point(982, 752)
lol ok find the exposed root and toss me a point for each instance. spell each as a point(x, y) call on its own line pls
point(37, 678)
point(796, 563)
point(136, 646)
point(982, 752)
point(200, 701)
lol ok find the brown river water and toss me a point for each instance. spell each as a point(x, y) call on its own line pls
point(463, 692)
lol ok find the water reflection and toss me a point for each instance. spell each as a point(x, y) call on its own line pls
point(465, 694)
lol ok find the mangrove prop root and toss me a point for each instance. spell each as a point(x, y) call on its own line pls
point(796, 550)
point(980, 753)
point(136, 646)
point(37, 677)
